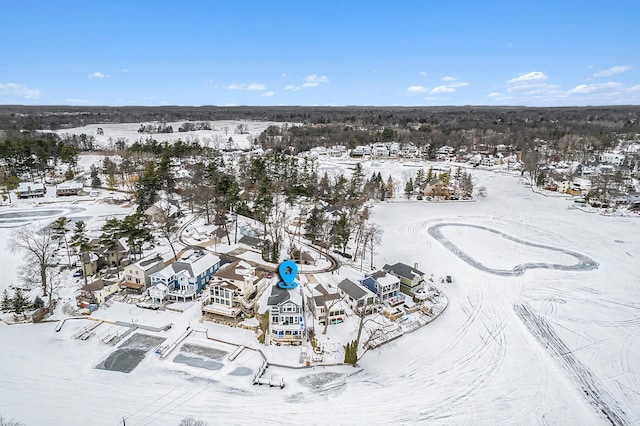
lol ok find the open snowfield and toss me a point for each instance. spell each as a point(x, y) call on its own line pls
point(217, 137)
point(547, 345)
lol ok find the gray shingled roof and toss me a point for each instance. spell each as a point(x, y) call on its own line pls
point(402, 270)
point(251, 241)
point(352, 289)
point(278, 296)
point(323, 299)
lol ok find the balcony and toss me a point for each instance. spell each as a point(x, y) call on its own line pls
point(230, 312)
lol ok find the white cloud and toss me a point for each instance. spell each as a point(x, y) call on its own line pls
point(417, 89)
point(76, 101)
point(613, 71)
point(267, 94)
point(283, 74)
point(124, 70)
point(635, 88)
point(423, 73)
point(497, 96)
point(442, 89)
point(583, 88)
point(98, 74)
point(448, 78)
point(313, 78)
point(243, 86)
point(459, 84)
point(528, 77)
point(590, 88)
point(19, 90)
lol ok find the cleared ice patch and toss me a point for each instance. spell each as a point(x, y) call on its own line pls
point(201, 357)
point(131, 353)
point(21, 216)
point(323, 382)
point(241, 371)
point(495, 252)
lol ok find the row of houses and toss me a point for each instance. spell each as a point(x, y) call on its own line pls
point(227, 290)
point(386, 149)
point(330, 304)
point(38, 189)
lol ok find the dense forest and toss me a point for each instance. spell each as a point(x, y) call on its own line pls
point(547, 123)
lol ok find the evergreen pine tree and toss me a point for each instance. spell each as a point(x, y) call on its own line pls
point(19, 301)
point(351, 353)
point(6, 305)
point(408, 188)
point(38, 303)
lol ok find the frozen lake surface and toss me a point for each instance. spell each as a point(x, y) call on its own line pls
point(545, 346)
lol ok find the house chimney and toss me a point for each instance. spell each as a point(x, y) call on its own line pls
point(415, 265)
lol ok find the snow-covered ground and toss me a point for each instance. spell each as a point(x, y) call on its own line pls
point(217, 137)
point(548, 346)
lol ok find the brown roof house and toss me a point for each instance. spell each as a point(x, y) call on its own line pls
point(100, 289)
point(231, 291)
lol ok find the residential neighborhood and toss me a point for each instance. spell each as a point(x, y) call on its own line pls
point(191, 271)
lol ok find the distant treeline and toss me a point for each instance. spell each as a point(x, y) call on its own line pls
point(437, 126)
point(617, 118)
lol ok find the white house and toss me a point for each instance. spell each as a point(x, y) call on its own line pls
point(69, 188)
point(31, 189)
point(159, 292)
point(186, 277)
point(137, 276)
point(325, 304)
point(358, 298)
point(380, 150)
point(411, 279)
point(101, 289)
point(286, 316)
point(385, 286)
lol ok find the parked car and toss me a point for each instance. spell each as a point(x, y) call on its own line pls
point(77, 273)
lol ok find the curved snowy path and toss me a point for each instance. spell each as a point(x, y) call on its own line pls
point(584, 264)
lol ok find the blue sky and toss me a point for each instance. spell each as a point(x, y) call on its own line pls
point(355, 52)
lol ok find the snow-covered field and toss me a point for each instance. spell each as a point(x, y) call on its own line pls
point(217, 137)
point(547, 346)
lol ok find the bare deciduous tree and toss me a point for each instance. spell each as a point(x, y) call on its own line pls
point(39, 249)
point(167, 225)
point(29, 273)
point(372, 238)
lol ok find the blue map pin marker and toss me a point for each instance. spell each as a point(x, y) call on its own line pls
point(288, 271)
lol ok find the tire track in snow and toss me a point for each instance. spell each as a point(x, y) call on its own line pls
point(593, 390)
